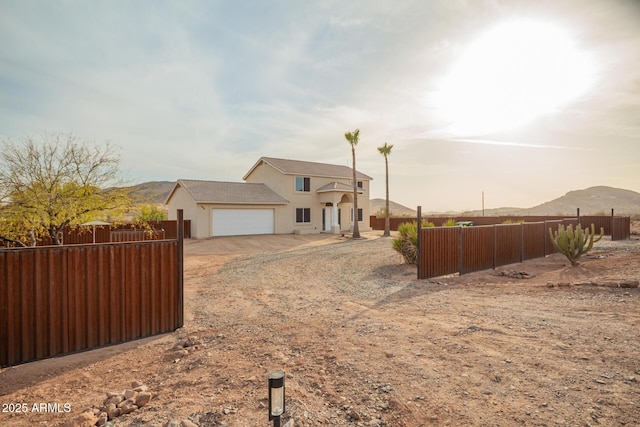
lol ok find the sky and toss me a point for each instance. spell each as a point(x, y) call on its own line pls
point(521, 100)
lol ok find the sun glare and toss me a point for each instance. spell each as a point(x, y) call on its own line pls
point(510, 76)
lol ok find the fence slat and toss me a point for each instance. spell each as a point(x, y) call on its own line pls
point(483, 247)
point(55, 300)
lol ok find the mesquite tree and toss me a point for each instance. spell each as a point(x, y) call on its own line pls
point(54, 182)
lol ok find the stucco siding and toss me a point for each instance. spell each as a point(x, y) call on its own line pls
point(285, 186)
point(180, 199)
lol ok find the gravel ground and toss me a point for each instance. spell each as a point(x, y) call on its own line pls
point(363, 343)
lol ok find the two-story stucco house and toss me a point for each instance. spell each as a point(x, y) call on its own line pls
point(279, 196)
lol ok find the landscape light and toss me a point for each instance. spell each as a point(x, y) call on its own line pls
point(276, 397)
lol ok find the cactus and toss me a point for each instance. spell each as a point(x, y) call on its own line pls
point(574, 244)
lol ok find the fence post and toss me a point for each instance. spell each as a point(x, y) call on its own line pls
point(495, 245)
point(180, 263)
point(612, 224)
point(419, 249)
point(460, 250)
point(545, 238)
point(521, 241)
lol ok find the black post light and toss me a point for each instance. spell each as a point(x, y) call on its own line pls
point(276, 397)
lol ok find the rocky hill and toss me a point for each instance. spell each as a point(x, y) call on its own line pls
point(591, 200)
point(396, 209)
point(600, 199)
point(154, 192)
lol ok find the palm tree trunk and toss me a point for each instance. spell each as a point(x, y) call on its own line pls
point(356, 229)
point(387, 221)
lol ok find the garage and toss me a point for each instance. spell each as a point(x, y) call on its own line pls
point(237, 222)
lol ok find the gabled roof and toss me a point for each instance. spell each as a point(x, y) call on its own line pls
point(298, 167)
point(228, 192)
point(337, 187)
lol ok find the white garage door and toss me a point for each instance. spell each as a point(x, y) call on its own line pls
point(236, 222)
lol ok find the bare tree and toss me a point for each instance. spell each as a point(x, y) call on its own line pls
point(354, 138)
point(55, 182)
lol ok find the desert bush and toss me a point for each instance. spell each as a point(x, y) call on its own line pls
point(380, 213)
point(407, 243)
point(451, 222)
point(574, 244)
point(510, 221)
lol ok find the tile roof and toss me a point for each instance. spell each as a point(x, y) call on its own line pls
point(229, 192)
point(337, 186)
point(298, 167)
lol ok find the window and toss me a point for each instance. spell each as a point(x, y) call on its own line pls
point(303, 183)
point(303, 215)
point(360, 184)
point(359, 214)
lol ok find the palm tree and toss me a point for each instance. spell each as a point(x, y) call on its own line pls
point(354, 138)
point(385, 150)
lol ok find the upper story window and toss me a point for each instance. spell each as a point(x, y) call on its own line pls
point(360, 184)
point(303, 183)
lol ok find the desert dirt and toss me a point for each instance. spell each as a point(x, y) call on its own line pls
point(364, 343)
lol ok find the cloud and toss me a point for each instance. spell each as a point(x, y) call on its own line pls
point(201, 89)
point(520, 144)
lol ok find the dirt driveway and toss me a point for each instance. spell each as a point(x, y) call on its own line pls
point(363, 343)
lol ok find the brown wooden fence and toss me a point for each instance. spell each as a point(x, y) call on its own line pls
point(159, 230)
point(448, 250)
point(621, 226)
point(60, 299)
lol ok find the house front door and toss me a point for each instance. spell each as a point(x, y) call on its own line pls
point(327, 218)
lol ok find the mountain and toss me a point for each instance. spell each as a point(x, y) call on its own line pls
point(600, 199)
point(377, 205)
point(591, 200)
point(155, 192)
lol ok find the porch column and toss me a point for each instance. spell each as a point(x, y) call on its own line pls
point(335, 228)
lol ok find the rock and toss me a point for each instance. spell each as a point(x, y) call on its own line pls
point(142, 399)
point(129, 394)
point(86, 419)
point(135, 384)
point(187, 423)
point(112, 411)
point(102, 419)
point(609, 284)
point(127, 407)
point(172, 423)
point(113, 399)
point(630, 284)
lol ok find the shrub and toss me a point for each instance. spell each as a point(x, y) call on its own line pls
point(407, 243)
point(451, 222)
point(510, 221)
